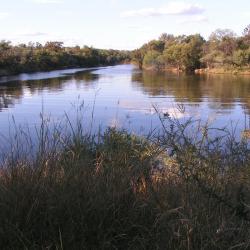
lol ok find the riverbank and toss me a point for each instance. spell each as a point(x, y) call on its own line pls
point(229, 71)
point(163, 69)
point(17, 59)
point(4, 73)
point(116, 190)
point(232, 71)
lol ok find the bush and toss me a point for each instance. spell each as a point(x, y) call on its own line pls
point(116, 190)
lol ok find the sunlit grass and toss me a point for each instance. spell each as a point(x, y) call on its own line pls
point(116, 190)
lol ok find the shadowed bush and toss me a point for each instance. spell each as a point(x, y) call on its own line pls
point(116, 190)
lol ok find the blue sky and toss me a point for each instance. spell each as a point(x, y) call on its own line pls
point(118, 24)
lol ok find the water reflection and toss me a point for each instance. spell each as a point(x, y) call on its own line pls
point(219, 91)
point(9, 94)
point(125, 96)
point(12, 91)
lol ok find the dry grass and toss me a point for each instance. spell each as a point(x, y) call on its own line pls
point(119, 191)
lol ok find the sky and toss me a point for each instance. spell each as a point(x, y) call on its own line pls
point(116, 24)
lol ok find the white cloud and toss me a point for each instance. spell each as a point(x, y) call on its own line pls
point(3, 15)
point(148, 109)
point(47, 1)
point(173, 8)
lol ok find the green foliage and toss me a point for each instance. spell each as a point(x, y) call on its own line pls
point(240, 57)
point(174, 55)
point(185, 54)
point(153, 59)
point(53, 55)
point(156, 45)
point(223, 49)
point(138, 56)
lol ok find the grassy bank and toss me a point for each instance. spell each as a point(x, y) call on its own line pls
point(225, 70)
point(164, 69)
point(116, 190)
point(219, 70)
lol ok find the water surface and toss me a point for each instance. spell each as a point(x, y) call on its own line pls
point(124, 96)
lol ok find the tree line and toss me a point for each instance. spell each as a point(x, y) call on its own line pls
point(53, 55)
point(223, 49)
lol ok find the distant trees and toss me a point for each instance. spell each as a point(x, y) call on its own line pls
point(53, 55)
point(182, 52)
point(54, 46)
point(223, 49)
point(138, 56)
point(153, 58)
point(220, 48)
point(174, 55)
point(246, 31)
point(188, 53)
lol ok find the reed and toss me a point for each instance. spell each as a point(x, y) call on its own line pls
point(116, 190)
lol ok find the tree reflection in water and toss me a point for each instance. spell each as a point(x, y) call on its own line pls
point(223, 91)
point(13, 91)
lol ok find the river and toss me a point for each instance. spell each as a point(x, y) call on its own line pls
point(125, 97)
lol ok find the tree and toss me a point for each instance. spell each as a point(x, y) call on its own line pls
point(246, 36)
point(220, 48)
point(185, 53)
point(193, 52)
point(54, 46)
point(156, 45)
point(138, 57)
point(174, 56)
point(5, 45)
point(240, 57)
point(53, 55)
point(220, 34)
point(153, 59)
point(246, 31)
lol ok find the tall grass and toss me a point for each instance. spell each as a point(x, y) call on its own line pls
point(180, 189)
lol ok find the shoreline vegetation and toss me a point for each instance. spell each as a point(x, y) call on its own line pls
point(35, 57)
point(117, 190)
point(183, 186)
point(226, 70)
point(232, 71)
point(223, 53)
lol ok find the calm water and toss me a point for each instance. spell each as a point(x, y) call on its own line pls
point(124, 96)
